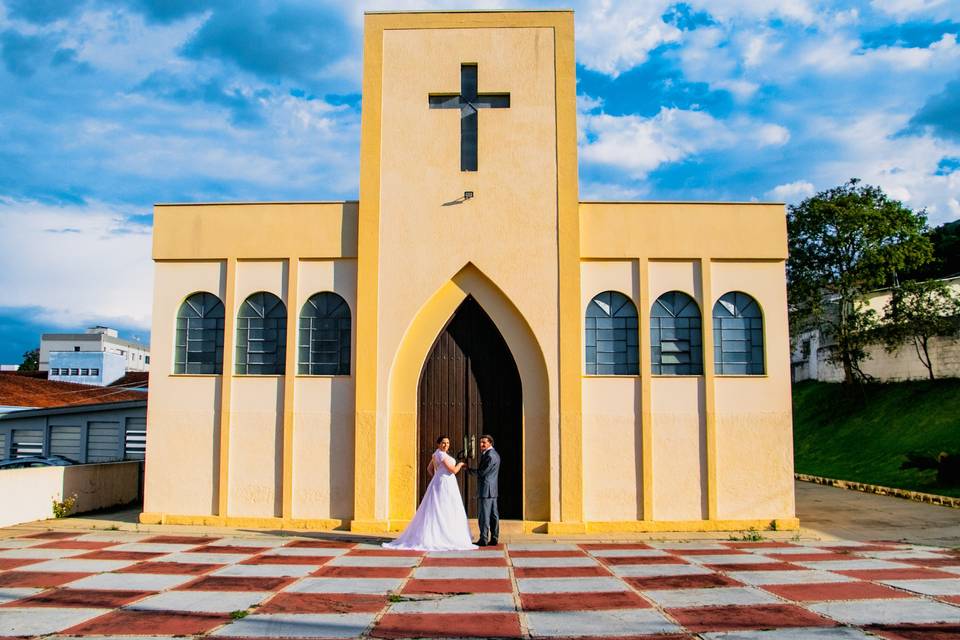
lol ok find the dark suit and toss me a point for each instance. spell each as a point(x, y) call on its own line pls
point(488, 516)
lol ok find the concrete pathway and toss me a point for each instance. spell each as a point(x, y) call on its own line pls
point(109, 583)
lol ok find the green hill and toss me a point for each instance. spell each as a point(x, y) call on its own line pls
point(863, 434)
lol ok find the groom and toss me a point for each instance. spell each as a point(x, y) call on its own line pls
point(487, 471)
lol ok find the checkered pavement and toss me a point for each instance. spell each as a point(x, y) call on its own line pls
point(127, 584)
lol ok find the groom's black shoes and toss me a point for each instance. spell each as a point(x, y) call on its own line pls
point(480, 543)
point(493, 543)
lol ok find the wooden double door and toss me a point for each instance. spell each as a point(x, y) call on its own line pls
point(470, 386)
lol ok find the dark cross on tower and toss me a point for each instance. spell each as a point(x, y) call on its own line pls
point(469, 102)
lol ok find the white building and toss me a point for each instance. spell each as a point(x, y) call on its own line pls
point(119, 355)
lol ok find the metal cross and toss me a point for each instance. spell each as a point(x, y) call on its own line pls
point(469, 102)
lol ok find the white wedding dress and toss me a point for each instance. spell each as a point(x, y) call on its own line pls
point(440, 523)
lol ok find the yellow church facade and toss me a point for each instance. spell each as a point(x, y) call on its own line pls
point(631, 359)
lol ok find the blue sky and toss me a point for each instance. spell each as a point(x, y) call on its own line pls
point(111, 105)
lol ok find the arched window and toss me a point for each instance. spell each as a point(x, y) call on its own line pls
point(324, 336)
point(737, 335)
point(261, 335)
point(675, 335)
point(611, 335)
point(198, 347)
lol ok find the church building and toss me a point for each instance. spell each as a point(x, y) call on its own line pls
point(630, 359)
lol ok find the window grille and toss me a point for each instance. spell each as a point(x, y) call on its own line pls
point(103, 442)
point(26, 442)
point(611, 335)
point(738, 335)
point(199, 342)
point(135, 439)
point(324, 347)
point(261, 335)
point(65, 441)
point(675, 335)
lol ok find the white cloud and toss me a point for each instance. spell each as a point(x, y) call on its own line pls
point(791, 191)
point(903, 9)
point(771, 135)
point(82, 265)
point(613, 37)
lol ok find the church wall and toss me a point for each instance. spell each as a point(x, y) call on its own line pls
point(612, 442)
point(754, 421)
point(184, 410)
point(324, 410)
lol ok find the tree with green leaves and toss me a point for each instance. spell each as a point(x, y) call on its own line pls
point(917, 312)
point(31, 361)
point(845, 242)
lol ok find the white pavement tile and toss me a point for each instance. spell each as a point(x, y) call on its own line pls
point(615, 622)
point(374, 561)
point(570, 585)
point(461, 573)
point(928, 587)
point(718, 597)
point(679, 546)
point(120, 537)
point(853, 565)
point(20, 543)
point(204, 558)
point(131, 581)
point(460, 603)
point(261, 543)
point(38, 621)
point(584, 561)
point(465, 554)
point(266, 570)
point(299, 625)
point(815, 633)
point(345, 585)
point(629, 553)
point(201, 601)
point(898, 611)
point(902, 554)
point(658, 570)
point(305, 551)
point(535, 546)
point(794, 550)
point(733, 558)
point(9, 594)
point(787, 577)
point(839, 543)
point(153, 547)
point(71, 565)
point(955, 569)
point(32, 553)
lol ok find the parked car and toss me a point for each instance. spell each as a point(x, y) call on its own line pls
point(37, 461)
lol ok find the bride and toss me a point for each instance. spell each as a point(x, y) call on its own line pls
point(440, 523)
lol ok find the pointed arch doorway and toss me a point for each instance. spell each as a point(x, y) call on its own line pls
point(470, 385)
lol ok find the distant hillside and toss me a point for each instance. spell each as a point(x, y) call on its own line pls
point(864, 436)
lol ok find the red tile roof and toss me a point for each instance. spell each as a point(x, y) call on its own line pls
point(133, 380)
point(25, 391)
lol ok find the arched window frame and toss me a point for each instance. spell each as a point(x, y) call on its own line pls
point(324, 342)
point(676, 328)
point(261, 324)
point(611, 335)
point(198, 335)
point(738, 329)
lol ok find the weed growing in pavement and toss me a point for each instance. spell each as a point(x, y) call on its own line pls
point(239, 614)
point(62, 508)
point(750, 535)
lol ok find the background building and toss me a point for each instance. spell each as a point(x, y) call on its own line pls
point(97, 356)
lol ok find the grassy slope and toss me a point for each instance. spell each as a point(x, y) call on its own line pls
point(863, 436)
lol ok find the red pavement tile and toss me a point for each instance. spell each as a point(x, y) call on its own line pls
point(950, 599)
point(324, 603)
point(53, 535)
point(73, 544)
point(38, 579)
point(834, 591)
point(229, 549)
point(170, 568)
point(897, 574)
point(581, 601)
point(560, 572)
point(680, 551)
point(318, 560)
point(917, 631)
point(704, 581)
point(656, 637)
point(236, 583)
point(362, 572)
point(768, 616)
point(547, 554)
point(448, 625)
point(13, 563)
point(497, 561)
point(642, 560)
point(759, 545)
point(386, 553)
point(194, 540)
point(321, 544)
point(866, 547)
point(81, 598)
point(810, 557)
point(755, 566)
point(613, 545)
point(946, 561)
point(149, 623)
point(420, 585)
point(118, 555)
